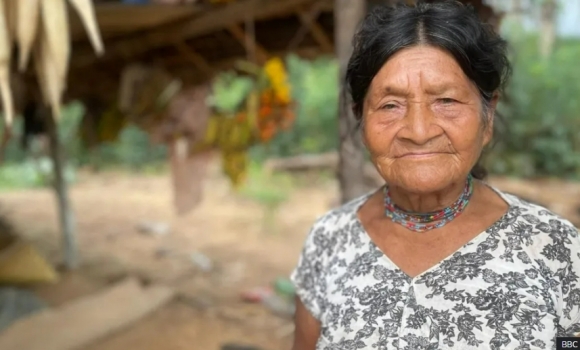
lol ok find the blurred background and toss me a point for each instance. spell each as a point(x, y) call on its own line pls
point(165, 204)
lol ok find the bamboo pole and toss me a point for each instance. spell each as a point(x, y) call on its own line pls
point(65, 212)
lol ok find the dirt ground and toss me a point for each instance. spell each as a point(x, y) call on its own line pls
point(227, 228)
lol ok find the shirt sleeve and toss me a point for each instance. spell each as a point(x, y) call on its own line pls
point(308, 276)
point(569, 276)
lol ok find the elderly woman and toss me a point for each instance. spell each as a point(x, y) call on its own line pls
point(437, 258)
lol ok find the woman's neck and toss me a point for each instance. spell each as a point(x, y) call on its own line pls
point(426, 202)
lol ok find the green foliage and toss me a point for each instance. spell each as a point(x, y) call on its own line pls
point(539, 136)
point(315, 90)
point(133, 149)
point(541, 114)
point(229, 91)
point(20, 175)
point(270, 190)
point(23, 170)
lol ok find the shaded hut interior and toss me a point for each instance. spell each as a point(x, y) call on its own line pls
point(195, 41)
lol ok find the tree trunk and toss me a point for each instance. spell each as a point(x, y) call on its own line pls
point(547, 27)
point(347, 15)
point(517, 10)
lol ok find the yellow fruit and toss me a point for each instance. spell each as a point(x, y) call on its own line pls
point(278, 77)
point(226, 126)
point(212, 130)
point(235, 165)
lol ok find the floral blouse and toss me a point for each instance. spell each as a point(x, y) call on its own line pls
point(514, 286)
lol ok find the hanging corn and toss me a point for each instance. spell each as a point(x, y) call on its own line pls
point(5, 54)
point(86, 12)
point(56, 41)
point(27, 18)
point(40, 28)
point(47, 74)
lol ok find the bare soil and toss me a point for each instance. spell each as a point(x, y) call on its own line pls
point(227, 228)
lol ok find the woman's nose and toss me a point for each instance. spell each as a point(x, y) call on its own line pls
point(420, 126)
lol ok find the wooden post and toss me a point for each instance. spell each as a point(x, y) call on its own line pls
point(348, 14)
point(66, 215)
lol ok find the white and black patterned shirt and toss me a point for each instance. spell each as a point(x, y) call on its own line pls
point(514, 286)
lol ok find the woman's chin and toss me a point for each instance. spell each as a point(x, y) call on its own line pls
point(423, 179)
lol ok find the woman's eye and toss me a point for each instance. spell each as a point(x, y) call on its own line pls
point(389, 106)
point(446, 100)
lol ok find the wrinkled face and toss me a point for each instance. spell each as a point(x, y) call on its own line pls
point(423, 121)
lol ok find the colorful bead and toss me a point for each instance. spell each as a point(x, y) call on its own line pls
point(421, 222)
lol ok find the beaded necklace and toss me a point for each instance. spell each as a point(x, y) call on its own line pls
point(421, 222)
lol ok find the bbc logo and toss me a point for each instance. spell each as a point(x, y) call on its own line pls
point(567, 343)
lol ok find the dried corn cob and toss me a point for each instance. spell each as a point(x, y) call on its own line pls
point(47, 74)
point(10, 11)
point(5, 53)
point(56, 29)
point(86, 12)
point(27, 15)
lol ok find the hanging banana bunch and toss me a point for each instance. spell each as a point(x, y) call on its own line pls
point(246, 111)
point(235, 165)
point(40, 28)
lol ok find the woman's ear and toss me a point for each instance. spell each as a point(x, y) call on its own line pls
point(361, 129)
point(488, 132)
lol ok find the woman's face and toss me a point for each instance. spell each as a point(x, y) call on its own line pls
point(422, 121)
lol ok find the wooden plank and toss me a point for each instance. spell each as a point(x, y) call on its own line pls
point(117, 19)
point(81, 322)
point(208, 22)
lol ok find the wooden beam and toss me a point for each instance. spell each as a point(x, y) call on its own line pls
point(309, 16)
point(208, 22)
point(308, 19)
point(178, 60)
point(195, 58)
point(237, 32)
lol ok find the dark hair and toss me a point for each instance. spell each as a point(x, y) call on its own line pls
point(449, 25)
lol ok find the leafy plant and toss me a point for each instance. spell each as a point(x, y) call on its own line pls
point(270, 190)
point(315, 91)
point(229, 91)
point(542, 114)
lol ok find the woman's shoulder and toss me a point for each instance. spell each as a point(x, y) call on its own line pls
point(343, 215)
point(337, 229)
point(540, 217)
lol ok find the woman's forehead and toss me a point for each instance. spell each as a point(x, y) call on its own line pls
point(432, 69)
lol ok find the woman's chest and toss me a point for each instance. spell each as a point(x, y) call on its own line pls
point(469, 301)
